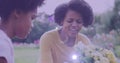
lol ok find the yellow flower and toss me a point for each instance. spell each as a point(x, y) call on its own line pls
point(111, 56)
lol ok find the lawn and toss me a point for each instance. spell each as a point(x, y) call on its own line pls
point(26, 55)
point(29, 54)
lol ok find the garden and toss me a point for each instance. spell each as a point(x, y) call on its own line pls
point(104, 32)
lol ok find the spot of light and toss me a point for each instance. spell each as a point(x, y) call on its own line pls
point(74, 57)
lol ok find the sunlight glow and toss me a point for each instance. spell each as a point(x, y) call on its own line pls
point(74, 57)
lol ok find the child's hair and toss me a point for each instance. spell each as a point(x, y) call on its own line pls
point(8, 6)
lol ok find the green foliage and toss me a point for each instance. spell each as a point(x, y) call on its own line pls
point(41, 24)
point(109, 20)
point(102, 22)
point(89, 31)
point(115, 20)
point(38, 29)
point(117, 39)
point(116, 5)
point(117, 51)
point(87, 60)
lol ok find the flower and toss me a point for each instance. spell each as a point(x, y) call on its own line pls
point(94, 54)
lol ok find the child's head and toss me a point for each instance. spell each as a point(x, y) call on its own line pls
point(18, 14)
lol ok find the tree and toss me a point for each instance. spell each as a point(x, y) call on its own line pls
point(102, 22)
point(115, 20)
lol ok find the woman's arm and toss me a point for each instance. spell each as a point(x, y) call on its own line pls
point(3, 60)
point(45, 49)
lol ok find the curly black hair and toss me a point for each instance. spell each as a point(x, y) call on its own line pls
point(8, 6)
point(79, 6)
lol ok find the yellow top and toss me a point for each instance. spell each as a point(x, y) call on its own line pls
point(52, 49)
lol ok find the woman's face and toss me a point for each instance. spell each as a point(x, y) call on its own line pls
point(72, 23)
point(24, 23)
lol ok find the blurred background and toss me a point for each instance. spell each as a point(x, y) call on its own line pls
point(104, 32)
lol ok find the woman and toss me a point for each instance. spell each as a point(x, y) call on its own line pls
point(56, 46)
point(16, 19)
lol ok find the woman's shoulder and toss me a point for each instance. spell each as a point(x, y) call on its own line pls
point(50, 34)
point(83, 38)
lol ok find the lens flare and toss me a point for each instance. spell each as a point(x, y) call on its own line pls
point(74, 57)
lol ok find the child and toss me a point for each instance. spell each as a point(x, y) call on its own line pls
point(16, 19)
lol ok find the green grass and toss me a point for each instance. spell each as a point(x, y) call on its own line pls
point(26, 55)
point(31, 55)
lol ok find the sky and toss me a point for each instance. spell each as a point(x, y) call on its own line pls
point(98, 6)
